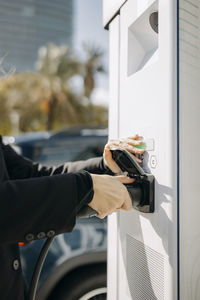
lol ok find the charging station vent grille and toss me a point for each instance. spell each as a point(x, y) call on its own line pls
point(145, 271)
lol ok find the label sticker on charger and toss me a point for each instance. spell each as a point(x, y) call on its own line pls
point(148, 145)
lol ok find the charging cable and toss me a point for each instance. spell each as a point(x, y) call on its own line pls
point(38, 268)
point(86, 212)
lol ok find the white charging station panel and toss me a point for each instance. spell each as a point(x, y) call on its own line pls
point(147, 242)
point(154, 91)
point(189, 124)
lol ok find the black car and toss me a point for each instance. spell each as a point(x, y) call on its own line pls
point(75, 267)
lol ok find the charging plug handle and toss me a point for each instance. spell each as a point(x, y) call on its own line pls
point(141, 190)
point(142, 194)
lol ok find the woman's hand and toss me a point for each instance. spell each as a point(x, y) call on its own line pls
point(127, 144)
point(110, 194)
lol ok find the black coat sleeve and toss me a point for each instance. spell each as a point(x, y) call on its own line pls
point(34, 201)
point(35, 205)
point(20, 167)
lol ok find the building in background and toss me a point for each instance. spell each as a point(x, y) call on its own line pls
point(25, 26)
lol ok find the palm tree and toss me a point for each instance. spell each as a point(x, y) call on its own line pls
point(45, 100)
point(91, 67)
point(57, 65)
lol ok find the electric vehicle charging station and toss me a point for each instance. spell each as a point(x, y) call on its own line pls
point(154, 91)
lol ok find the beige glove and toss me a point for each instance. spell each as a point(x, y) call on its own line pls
point(127, 144)
point(110, 194)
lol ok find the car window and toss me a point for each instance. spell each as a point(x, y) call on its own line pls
point(70, 149)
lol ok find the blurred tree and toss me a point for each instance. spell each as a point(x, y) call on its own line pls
point(57, 65)
point(29, 96)
point(19, 93)
point(45, 100)
point(5, 120)
point(91, 67)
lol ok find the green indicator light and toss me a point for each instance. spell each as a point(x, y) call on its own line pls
point(142, 146)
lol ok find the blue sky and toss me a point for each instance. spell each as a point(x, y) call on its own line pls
point(88, 27)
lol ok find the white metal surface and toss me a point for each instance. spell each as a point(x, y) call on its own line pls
point(114, 29)
point(148, 106)
point(110, 8)
point(189, 149)
point(154, 88)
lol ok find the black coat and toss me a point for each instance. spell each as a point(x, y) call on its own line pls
point(33, 204)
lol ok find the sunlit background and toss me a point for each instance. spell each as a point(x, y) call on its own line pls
point(54, 65)
point(53, 109)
